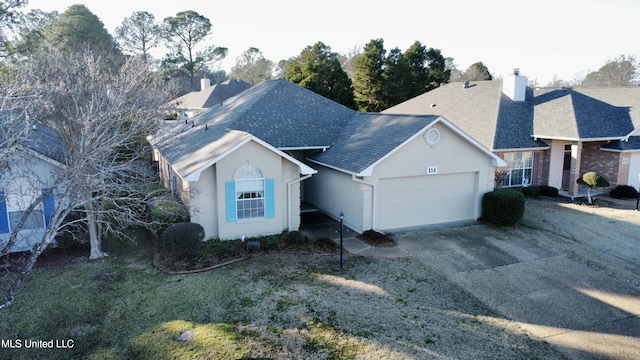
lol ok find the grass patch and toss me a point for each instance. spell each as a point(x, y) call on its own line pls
point(281, 306)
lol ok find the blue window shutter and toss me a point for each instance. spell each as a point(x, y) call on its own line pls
point(269, 196)
point(230, 188)
point(48, 205)
point(4, 217)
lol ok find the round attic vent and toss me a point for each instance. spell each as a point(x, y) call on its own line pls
point(432, 136)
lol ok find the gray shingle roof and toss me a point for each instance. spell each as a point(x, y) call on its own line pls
point(287, 116)
point(633, 144)
point(474, 109)
point(368, 137)
point(211, 96)
point(570, 114)
point(483, 112)
point(278, 112)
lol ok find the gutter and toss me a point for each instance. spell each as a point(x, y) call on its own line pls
point(289, 184)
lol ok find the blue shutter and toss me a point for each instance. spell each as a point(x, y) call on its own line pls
point(48, 205)
point(230, 188)
point(4, 217)
point(269, 196)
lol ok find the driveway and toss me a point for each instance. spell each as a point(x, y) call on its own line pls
point(568, 275)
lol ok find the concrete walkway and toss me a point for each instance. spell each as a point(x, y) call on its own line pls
point(583, 312)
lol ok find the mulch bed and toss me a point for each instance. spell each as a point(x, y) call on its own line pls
point(376, 239)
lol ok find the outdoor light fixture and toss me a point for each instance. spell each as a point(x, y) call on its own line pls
point(341, 227)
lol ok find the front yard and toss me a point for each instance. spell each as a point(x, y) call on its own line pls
point(274, 306)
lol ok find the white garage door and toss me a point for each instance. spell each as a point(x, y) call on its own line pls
point(425, 200)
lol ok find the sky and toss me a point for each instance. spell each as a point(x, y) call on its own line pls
point(543, 38)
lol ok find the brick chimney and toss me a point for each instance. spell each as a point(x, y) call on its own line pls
point(515, 86)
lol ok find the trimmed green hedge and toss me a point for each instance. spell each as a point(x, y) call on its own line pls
point(183, 238)
point(502, 207)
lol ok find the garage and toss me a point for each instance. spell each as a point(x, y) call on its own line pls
point(424, 200)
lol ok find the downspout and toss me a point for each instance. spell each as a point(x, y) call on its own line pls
point(374, 198)
point(289, 184)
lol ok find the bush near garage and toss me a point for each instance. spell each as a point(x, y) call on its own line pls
point(540, 190)
point(624, 192)
point(550, 191)
point(184, 238)
point(502, 207)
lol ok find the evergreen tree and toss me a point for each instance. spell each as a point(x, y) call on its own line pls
point(139, 33)
point(368, 80)
point(398, 80)
point(319, 70)
point(184, 33)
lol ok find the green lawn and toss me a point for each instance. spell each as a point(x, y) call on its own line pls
point(272, 306)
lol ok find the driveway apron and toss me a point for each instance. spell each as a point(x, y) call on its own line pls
point(585, 313)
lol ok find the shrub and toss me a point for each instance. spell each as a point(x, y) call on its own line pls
point(295, 238)
point(327, 244)
point(184, 238)
point(550, 191)
point(165, 213)
point(624, 192)
point(502, 207)
point(531, 191)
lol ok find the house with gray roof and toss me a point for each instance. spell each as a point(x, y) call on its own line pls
point(245, 167)
point(547, 136)
point(207, 97)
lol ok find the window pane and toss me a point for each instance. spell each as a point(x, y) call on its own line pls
point(34, 221)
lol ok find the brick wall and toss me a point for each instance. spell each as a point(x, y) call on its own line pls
point(608, 164)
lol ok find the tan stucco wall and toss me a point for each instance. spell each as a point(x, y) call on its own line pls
point(452, 154)
point(208, 206)
point(333, 191)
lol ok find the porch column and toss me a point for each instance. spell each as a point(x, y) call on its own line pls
point(576, 155)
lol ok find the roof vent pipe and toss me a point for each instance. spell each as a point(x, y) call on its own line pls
point(466, 84)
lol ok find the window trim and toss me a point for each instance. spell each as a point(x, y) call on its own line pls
point(525, 168)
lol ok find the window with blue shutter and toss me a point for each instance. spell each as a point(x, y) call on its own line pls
point(4, 217)
point(48, 205)
point(270, 208)
point(250, 196)
point(230, 189)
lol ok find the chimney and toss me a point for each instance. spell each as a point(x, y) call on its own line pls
point(515, 86)
point(204, 83)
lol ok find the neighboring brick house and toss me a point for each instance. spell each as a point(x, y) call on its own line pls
point(548, 136)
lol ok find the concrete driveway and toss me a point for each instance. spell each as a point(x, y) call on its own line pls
point(586, 313)
point(568, 301)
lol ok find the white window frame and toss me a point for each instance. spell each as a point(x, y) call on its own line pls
point(250, 193)
point(519, 170)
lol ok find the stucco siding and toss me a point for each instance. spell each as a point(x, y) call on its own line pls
point(203, 207)
point(634, 170)
point(270, 163)
point(333, 192)
point(452, 154)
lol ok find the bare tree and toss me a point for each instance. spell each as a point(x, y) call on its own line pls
point(98, 119)
point(621, 71)
point(252, 67)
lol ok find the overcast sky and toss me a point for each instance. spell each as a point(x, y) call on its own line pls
point(542, 38)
